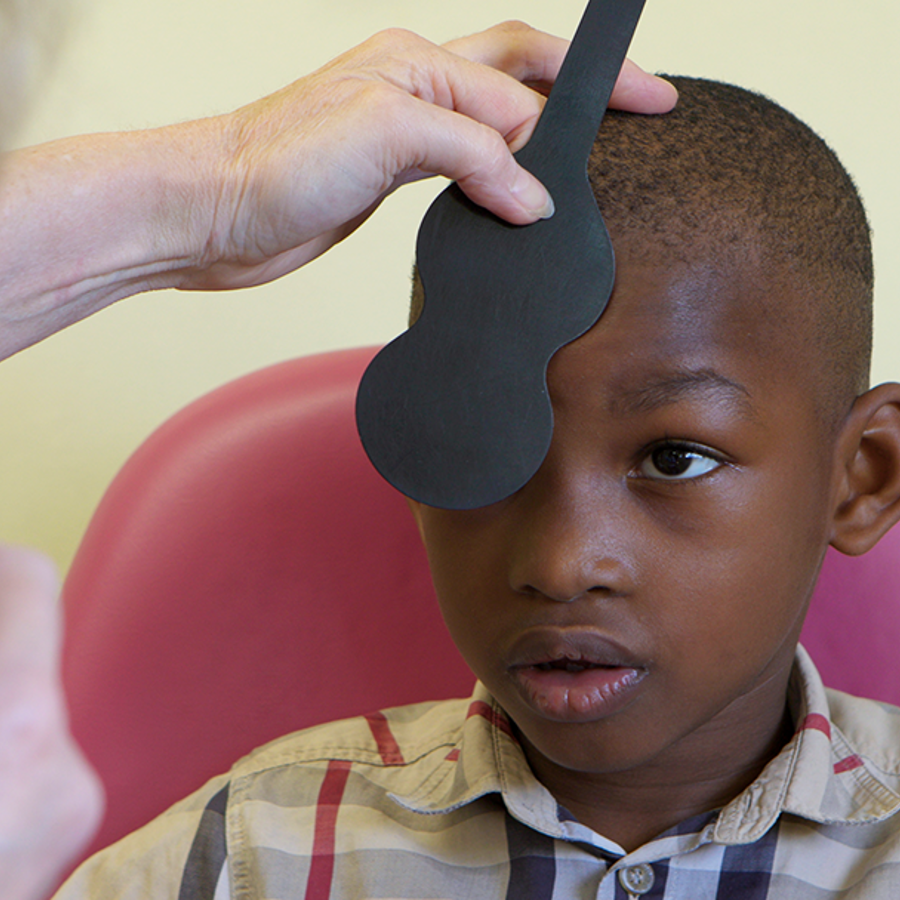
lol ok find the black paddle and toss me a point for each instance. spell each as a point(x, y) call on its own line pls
point(455, 412)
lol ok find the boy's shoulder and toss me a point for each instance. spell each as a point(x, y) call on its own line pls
point(389, 737)
point(840, 771)
point(277, 797)
point(424, 758)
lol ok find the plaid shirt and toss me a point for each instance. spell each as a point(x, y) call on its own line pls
point(437, 801)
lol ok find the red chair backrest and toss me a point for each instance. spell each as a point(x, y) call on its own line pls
point(248, 574)
point(852, 630)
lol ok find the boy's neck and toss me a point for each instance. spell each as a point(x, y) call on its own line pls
point(633, 807)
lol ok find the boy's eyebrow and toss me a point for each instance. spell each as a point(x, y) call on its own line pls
point(670, 387)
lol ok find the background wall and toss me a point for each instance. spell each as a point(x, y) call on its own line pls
point(74, 407)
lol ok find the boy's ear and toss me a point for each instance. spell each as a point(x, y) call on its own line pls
point(868, 471)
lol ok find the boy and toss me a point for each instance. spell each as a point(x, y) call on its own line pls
point(644, 725)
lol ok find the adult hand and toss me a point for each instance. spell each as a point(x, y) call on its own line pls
point(312, 161)
point(244, 198)
point(50, 800)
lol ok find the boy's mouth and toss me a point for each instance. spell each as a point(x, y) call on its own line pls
point(569, 665)
point(573, 676)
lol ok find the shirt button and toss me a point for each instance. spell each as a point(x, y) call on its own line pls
point(637, 880)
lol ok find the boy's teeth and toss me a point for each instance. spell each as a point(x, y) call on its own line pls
point(566, 665)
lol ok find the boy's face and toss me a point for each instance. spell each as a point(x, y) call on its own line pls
point(637, 603)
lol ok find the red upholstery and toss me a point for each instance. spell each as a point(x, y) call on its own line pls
point(248, 574)
point(853, 627)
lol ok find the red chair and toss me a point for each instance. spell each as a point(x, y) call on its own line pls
point(853, 627)
point(248, 574)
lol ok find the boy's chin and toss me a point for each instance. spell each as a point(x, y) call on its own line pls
point(615, 741)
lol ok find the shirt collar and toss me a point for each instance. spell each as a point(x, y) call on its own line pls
point(821, 774)
point(488, 759)
point(474, 766)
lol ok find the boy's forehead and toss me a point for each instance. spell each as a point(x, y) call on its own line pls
point(707, 323)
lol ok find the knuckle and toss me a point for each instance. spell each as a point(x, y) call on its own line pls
point(391, 41)
point(380, 100)
point(496, 143)
point(514, 28)
point(493, 158)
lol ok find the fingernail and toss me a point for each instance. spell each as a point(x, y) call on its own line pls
point(548, 208)
point(673, 91)
point(533, 196)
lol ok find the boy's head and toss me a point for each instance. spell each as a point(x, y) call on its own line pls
point(732, 177)
point(729, 174)
point(635, 607)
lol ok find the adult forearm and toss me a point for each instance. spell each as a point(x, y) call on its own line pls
point(88, 220)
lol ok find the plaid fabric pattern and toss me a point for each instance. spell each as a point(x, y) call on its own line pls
point(437, 801)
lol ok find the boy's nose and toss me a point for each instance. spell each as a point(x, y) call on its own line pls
point(571, 539)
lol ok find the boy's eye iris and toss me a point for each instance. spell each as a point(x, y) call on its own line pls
point(677, 462)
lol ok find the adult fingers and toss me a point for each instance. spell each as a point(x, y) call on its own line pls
point(521, 54)
point(524, 53)
point(476, 156)
point(29, 617)
point(637, 91)
point(435, 112)
point(534, 58)
point(483, 92)
point(488, 91)
point(50, 799)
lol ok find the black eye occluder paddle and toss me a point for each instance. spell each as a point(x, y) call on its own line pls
point(455, 412)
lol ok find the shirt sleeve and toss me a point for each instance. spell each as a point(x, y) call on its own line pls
point(181, 855)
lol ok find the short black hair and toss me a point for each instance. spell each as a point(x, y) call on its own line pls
point(728, 166)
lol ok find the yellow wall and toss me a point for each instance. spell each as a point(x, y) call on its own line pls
point(75, 407)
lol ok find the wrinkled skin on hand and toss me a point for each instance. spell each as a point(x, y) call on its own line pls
point(314, 160)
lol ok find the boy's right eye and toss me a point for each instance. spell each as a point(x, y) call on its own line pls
point(678, 462)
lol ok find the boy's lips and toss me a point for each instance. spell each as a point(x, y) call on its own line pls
point(573, 675)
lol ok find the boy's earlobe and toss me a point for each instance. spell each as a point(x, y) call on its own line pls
point(868, 466)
